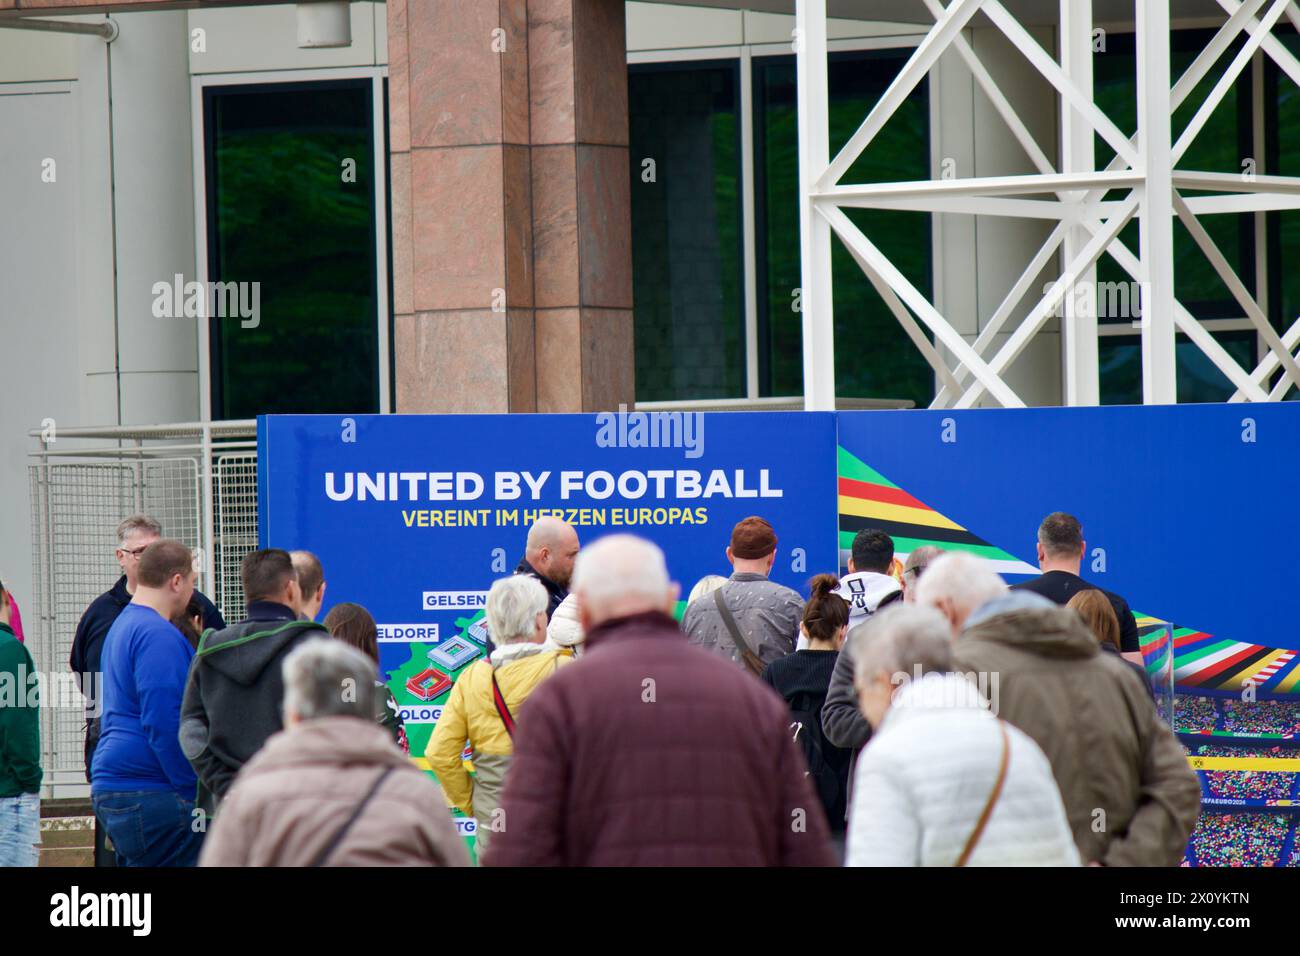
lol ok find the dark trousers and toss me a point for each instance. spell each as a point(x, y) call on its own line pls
point(150, 827)
point(104, 854)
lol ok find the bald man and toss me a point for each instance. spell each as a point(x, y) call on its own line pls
point(549, 553)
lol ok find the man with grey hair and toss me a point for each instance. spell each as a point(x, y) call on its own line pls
point(549, 553)
point(332, 789)
point(650, 752)
point(133, 535)
point(1129, 795)
point(961, 585)
point(916, 563)
point(486, 699)
point(904, 644)
point(944, 782)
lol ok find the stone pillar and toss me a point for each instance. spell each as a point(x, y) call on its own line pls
point(512, 286)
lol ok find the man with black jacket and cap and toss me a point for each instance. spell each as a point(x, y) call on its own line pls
point(134, 534)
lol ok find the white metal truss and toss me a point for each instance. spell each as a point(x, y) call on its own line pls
point(1077, 196)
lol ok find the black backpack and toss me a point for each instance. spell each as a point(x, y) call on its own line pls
point(828, 766)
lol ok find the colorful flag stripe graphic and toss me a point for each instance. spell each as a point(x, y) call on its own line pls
point(867, 499)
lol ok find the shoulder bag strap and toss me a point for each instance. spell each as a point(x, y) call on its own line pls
point(752, 660)
point(992, 800)
point(499, 700)
point(356, 812)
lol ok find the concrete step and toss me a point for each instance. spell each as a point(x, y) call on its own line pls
point(68, 856)
point(67, 833)
point(67, 807)
point(51, 839)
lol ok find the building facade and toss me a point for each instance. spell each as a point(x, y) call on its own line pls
point(552, 205)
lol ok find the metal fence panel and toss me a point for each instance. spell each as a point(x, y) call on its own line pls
point(74, 565)
point(236, 527)
point(78, 496)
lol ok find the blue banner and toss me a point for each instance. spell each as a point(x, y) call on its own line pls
point(415, 516)
point(1186, 511)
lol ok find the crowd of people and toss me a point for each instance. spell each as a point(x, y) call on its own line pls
point(1241, 839)
point(1247, 784)
point(1197, 714)
point(913, 712)
point(1260, 717)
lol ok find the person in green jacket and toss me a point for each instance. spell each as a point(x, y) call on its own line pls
point(20, 747)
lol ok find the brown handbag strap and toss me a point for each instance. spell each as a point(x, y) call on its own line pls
point(992, 800)
point(352, 818)
point(752, 660)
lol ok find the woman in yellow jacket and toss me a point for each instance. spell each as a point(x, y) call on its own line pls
point(487, 697)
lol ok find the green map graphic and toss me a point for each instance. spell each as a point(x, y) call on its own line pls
point(418, 734)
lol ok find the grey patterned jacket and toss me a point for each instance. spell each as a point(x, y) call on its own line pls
point(767, 613)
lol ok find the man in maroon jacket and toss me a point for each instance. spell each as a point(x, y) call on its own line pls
point(650, 752)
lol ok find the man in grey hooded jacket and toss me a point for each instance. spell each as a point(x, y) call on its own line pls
point(1129, 795)
point(235, 688)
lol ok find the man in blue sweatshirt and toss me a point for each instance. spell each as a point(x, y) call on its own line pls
point(142, 787)
point(134, 534)
point(20, 748)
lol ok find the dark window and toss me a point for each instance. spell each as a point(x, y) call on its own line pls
point(687, 239)
point(1282, 158)
point(687, 276)
point(1220, 146)
point(874, 358)
point(1120, 358)
point(284, 212)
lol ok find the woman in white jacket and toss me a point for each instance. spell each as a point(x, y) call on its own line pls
point(943, 782)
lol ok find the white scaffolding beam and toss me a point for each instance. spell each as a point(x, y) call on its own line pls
point(1089, 206)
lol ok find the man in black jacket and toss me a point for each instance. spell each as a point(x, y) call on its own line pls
point(549, 553)
point(134, 534)
point(235, 686)
point(1060, 555)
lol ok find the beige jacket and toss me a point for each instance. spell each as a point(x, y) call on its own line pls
point(296, 794)
point(1129, 794)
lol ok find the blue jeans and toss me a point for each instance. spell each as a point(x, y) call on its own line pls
point(20, 830)
point(149, 827)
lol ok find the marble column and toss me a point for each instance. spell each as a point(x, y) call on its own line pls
point(511, 225)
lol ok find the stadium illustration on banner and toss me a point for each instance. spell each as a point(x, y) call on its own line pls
point(1250, 800)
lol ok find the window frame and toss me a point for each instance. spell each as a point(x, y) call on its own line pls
point(746, 54)
point(748, 348)
point(1256, 235)
point(377, 76)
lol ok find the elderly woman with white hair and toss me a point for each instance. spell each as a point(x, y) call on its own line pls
point(943, 781)
point(486, 700)
point(332, 789)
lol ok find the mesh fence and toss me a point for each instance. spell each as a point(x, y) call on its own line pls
point(74, 564)
point(235, 490)
point(75, 507)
